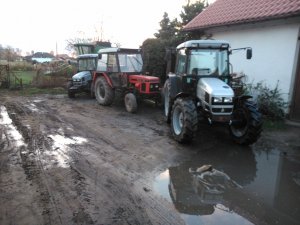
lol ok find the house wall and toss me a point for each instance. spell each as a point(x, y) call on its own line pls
point(42, 60)
point(274, 54)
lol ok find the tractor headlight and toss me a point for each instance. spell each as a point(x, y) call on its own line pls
point(227, 100)
point(217, 100)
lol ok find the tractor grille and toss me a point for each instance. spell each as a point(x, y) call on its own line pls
point(221, 110)
point(77, 83)
point(154, 87)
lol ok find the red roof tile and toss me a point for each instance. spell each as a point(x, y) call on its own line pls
point(230, 12)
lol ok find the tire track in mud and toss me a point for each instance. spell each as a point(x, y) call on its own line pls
point(126, 202)
point(131, 190)
point(99, 185)
point(32, 164)
point(14, 182)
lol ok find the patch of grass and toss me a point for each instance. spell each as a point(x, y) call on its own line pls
point(26, 76)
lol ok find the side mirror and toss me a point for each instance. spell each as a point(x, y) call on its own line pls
point(100, 56)
point(249, 53)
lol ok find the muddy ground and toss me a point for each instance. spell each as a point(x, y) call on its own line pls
point(71, 161)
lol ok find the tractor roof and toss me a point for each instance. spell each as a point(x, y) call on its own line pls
point(121, 50)
point(204, 44)
point(86, 56)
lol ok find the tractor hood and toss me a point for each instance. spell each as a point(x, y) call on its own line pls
point(83, 74)
point(213, 87)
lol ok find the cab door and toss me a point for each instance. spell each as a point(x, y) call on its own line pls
point(113, 70)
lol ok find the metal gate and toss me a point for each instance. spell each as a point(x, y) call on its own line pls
point(4, 76)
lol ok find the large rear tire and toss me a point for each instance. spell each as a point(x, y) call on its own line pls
point(184, 121)
point(249, 127)
point(167, 101)
point(104, 93)
point(130, 103)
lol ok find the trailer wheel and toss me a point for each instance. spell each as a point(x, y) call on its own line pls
point(71, 94)
point(184, 121)
point(130, 103)
point(249, 126)
point(166, 101)
point(104, 93)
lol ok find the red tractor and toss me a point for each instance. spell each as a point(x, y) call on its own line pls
point(120, 69)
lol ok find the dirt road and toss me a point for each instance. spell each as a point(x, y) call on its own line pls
point(66, 161)
point(74, 162)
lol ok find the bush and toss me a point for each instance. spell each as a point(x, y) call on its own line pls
point(48, 81)
point(270, 102)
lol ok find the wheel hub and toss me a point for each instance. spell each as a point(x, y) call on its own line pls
point(177, 120)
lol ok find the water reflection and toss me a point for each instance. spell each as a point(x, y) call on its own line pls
point(269, 193)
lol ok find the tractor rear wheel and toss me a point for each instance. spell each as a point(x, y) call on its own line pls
point(184, 121)
point(130, 103)
point(104, 93)
point(166, 101)
point(248, 127)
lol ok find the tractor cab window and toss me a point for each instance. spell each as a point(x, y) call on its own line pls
point(102, 63)
point(181, 62)
point(208, 62)
point(130, 62)
point(85, 64)
point(112, 65)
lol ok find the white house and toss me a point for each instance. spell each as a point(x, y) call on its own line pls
point(271, 28)
point(42, 57)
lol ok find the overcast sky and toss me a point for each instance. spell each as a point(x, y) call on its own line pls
point(38, 25)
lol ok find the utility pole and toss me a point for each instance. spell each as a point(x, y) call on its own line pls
point(56, 48)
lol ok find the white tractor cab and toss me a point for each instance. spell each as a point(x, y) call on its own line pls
point(82, 80)
point(200, 85)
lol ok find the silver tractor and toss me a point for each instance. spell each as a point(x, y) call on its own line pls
point(200, 86)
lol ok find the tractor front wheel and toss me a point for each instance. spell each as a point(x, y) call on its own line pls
point(247, 123)
point(130, 103)
point(104, 93)
point(184, 121)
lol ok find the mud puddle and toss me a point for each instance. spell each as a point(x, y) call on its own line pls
point(268, 188)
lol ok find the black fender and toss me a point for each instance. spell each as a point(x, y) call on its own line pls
point(175, 87)
point(182, 95)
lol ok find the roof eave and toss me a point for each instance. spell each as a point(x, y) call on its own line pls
point(241, 22)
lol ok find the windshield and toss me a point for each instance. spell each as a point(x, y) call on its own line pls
point(87, 64)
point(130, 62)
point(206, 62)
